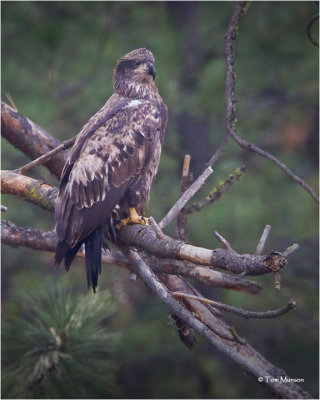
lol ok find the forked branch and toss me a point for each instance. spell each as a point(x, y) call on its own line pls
point(231, 37)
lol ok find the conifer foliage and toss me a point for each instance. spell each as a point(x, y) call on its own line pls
point(64, 345)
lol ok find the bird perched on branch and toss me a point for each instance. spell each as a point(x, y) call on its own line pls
point(107, 178)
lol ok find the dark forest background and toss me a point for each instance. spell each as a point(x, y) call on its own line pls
point(57, 63)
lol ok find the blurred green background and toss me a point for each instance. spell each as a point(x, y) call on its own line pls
point(57, 63)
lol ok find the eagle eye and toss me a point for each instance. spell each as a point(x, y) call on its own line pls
point(136, 63)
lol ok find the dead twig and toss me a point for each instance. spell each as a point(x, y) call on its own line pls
point(263, 239)
point(239, 311)
point(217, 192)
point(30, 138)
point(224, 241)
point(231, 36)
point(182, 220)
point(309, 26)
point(47, 156)
point(187, 195)
point(11, 101)
point(290, 250)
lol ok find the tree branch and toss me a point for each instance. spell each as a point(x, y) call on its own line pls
point(185, 180)
point(309, 26)
point(187, 195)
point(241, 353)
point(37, 239)
point(210, 326)
point(147, 238)
point(158, 252)
point(29, 138)
point(31, 190)
point(47, 156)
point(239, 311)
point(231, 36)
point(217, 192)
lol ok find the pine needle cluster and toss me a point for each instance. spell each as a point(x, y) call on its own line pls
point(59, 346)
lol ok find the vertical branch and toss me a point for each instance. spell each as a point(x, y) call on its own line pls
point(182, 220)
point(231, 36)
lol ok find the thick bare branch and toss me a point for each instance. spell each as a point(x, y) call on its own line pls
point(242, 353)
point(147, 238)
point(28, 137)
point(36, 239)
point(32, 190)
point(203, 274)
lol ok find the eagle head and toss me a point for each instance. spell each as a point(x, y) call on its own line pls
point(134, 71)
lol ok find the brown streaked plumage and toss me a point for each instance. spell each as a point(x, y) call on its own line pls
point(112, 164)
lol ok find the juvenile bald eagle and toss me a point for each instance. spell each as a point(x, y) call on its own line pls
point(112, 164)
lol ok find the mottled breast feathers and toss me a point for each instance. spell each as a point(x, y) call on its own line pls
point(115, 149)
point(112, 164)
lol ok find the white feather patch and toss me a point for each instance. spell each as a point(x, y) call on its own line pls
point(133, 103)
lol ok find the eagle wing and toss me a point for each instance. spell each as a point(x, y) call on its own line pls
point(110, 152)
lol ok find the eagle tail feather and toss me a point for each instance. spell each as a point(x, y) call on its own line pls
point(93, 257)
point(71, 255)
point(64, 251)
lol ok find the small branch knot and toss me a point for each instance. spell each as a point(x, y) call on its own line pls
point(275, 262)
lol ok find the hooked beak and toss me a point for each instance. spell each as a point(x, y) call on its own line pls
point(152, 71)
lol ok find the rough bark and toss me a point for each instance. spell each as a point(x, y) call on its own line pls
point(28, 137)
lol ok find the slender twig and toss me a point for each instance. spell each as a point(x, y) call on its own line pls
point(187, 195)
point(224, 241)
point(182, 220)
point(156, 227)
point(219, 152)
point(263, 239)
point(239, 311)
point(309, 26)
point(217, 192)
point(197, 184)
point(45, 157)
point(231, 36)
point(11, 101)
point(185, 173)
point(30, 138)
point(290, 250)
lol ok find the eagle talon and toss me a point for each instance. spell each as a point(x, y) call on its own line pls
point(133, 218)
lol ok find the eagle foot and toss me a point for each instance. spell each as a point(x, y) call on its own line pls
point(133, 218)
